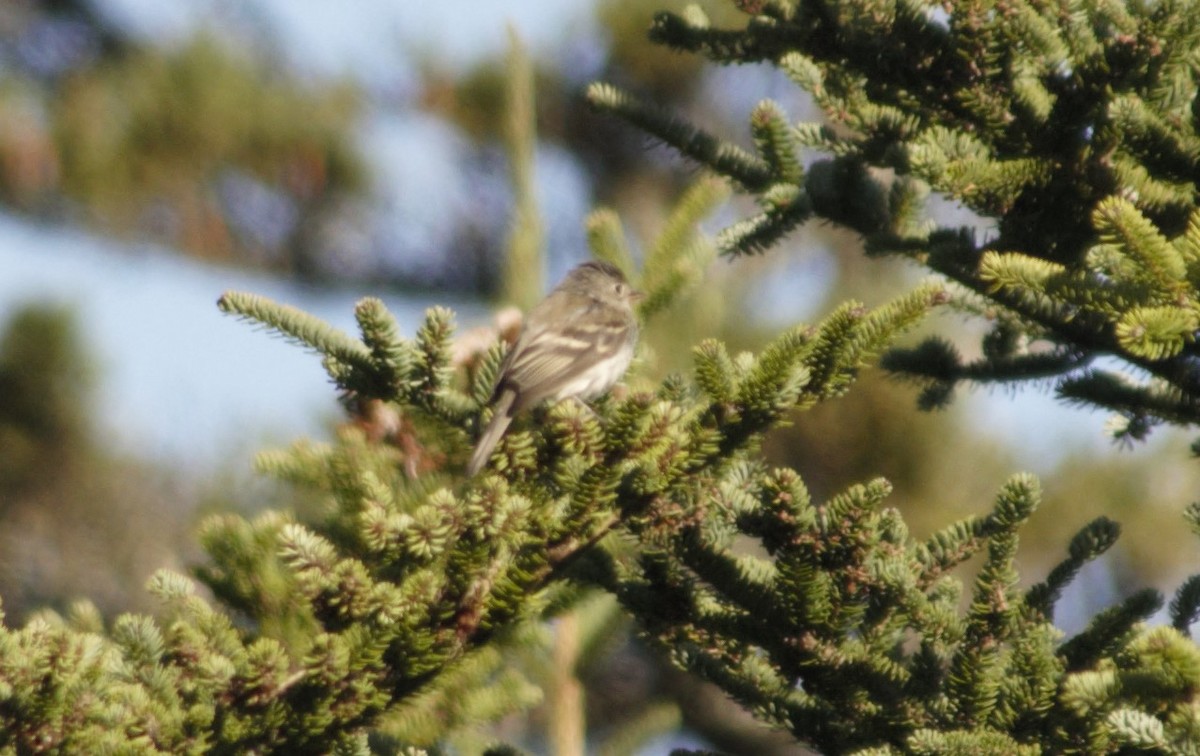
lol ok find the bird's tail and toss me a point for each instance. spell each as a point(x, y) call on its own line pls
point(501, 417)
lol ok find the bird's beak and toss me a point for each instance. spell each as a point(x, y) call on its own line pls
point(636, 296)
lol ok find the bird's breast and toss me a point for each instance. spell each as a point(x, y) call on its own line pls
point(599, 378)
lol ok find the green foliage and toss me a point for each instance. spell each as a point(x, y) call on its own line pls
point(386, 620)
point(65, 489)
point(1070, 131)
point(146, 132)
point(679, 256)
point(168, 139)
point(389, 610)
point(386, 603)
point(848, 634)
point(43, 376)
point(523, 261)
point(746, 169)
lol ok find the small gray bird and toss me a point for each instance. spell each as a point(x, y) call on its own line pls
point(577, 342)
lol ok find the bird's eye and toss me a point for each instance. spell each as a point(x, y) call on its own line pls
point(620, 288)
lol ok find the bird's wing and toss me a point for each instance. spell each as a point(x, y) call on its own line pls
point(555, 353)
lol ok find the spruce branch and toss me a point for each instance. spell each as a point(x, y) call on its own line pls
point(393, 356)
point(763, 40)
point(695, 205)
point(1077, 145)
point(1109, 630)
point(297, 326)
point(522, 280)
point(677, 259)
point(784, 208)
point(1094, 539)
point(606, 239)
point(1071, 130)
point(726, 158)
point(953, 545)
point(1153, 259)
point(1185, 606)
point(1164, 147)
point(975, 672)
point(835, 567)
point(715, 372)
point(774, 139)
point(1191, 514)
point(1156, 333)
point(1149, 403)
point(433, 390)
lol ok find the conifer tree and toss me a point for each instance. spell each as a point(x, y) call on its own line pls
point(1069, 129)
point(376, 625)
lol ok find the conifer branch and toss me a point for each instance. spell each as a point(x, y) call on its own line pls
point(523, 271)
point(774, 139)
point(764, 40)
point(679, 256)
point(297, 326)
point(1089, 543)
point(606, 239)
point(1085, 168)
point(1185, 606)
point(783, 210)
point(1109, 630)
point(727, 159)
point(1072, 131)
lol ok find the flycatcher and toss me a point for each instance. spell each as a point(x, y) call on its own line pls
point(577, 342)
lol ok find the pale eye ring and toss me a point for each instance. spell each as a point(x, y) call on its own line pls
point(620, 288)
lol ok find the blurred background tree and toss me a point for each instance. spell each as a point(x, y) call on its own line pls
point(75, 519)
point(219, 143)
point(202, 146)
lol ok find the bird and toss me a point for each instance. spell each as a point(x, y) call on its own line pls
point(577, 342)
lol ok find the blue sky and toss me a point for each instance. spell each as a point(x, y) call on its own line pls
point(173, 370)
